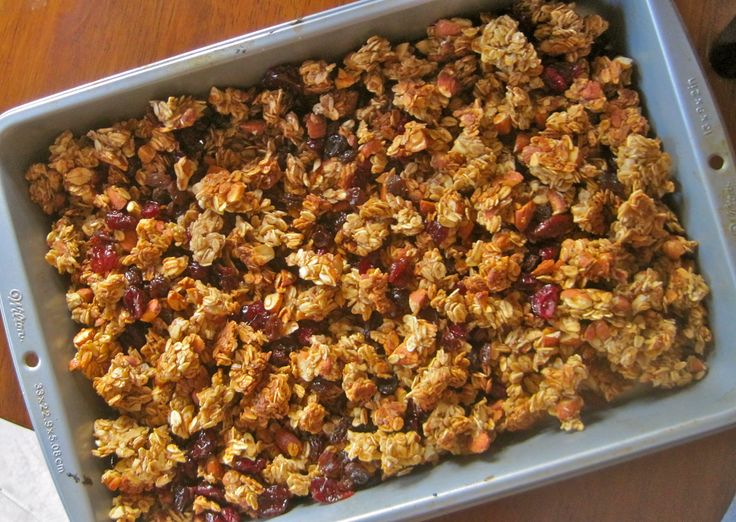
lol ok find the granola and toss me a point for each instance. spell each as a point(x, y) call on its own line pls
point(359, 267)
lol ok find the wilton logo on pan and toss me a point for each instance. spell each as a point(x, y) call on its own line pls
point(15, 298)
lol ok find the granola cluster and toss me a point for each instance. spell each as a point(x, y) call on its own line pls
point(355, 268)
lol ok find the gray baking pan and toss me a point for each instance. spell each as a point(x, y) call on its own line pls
point(63, 406)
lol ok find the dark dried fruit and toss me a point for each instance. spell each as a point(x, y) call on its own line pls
point(530, 262)
point(134, 276)
point(273, 501)
point(356, 196)
point(304, 335)
point(158, 287)
point(355, 475)
point(387, 386)
point(197, 271)
point(316, 145)
point(454, 335)
point(437, 232)
point(549, 252)
point(335, 144)
point(226, 277)
point(400, 299)
point(557, 77)
point(284, 77)
point(366, 263)
point(249, 466)
point(102, 256)
point(134, 301)
point(254, 314)
point(608, 180)
point(150, 209)
point(281, 351)
point(327, 391)
point(552, 227)
point(414, 417)
point(134, 336)
point(327, 490)
point(208, 490)
point(396, 186)
point(182, 498)
point(333, 220)
point(331, 463)
point(544, 301)
point(400, 272)
point(322, 237)
point(203, 445)
point(528, 283)
point(230, 514)
point(317, 445)
point(117, 220)
point(340, 433)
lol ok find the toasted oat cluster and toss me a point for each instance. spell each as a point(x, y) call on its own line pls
point(352, 269)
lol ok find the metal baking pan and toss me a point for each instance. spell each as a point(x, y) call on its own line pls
point(679, 105)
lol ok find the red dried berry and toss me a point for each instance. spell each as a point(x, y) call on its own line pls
point(102, 257)
point(158, 287)
point(552, 227)
point(368, 262)
point(557, 77)
point(249, 466)
point(529, 283)
point(437, 232)
point(197, 271)
point(453, 335)
point(549, 252)
point(327, 490)
point(399, 272)
point(544, 301)
point(331, 463)
point(208, 490)
point(117, 220)
point(226, 277)
point(304, 335)
point(273, 501)
point(254, 314)
point(134, 301)
point(230, 514)
point(150, 210)
point(284, 77)
point(134, 276)
point(203, 445)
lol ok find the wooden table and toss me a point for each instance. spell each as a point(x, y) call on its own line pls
point(47, 46)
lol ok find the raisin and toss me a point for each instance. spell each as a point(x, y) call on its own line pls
point(327, 490)
point(284, 77)
point(158, 287)
point(387, 386)
point(316, 445)
point(355, 475)
point(609, 181)
point(335, 145)
point(273, 501)
point(400, 298)
point(544, 301)
point(134, 336)
point(530, 262)
point(226, 277)
point(356, 196)
point(327, 391)
point(322, 237)
point(304, 335)
point(414, 417)
point(182, 498)
point(549, 252)
point(454, 335)
point(340, 433)
point(396, 186)
point(331, 463)
point(197, 271)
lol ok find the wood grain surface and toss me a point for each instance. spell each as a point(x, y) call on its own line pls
point(47, 46)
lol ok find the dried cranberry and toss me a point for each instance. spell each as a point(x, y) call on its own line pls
point(197, 271)
point(134, 301)
point(188, 469)
point(254, 314)
point(356, 196)
point(304, 335)
point(387, 386)
point(203, 445)
point(340, 432)
point(158, 287)
point(284, 77)
point(331, 463)
point(529, 283)
point(368, 262)
point(355, 475)
point(150, 209)
point(208, 490)
point(117, 220)
point(553, 227)
point(182, 498)
point(453, 335)
point(271, 327)
point(273, 501)
point(396, 186)
point(322, 237)
point(211, 516)
point(249, 466)
point(102, 256)
point(327, 490)
point(230, 514)
point(134, 276)
point(530, 262)
point(399, 272)
point(549, 252)
point(557, 77)
point(414, 417)
point(437, 232)
point(227, 277)
point(335, 144)
point(544, 301)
